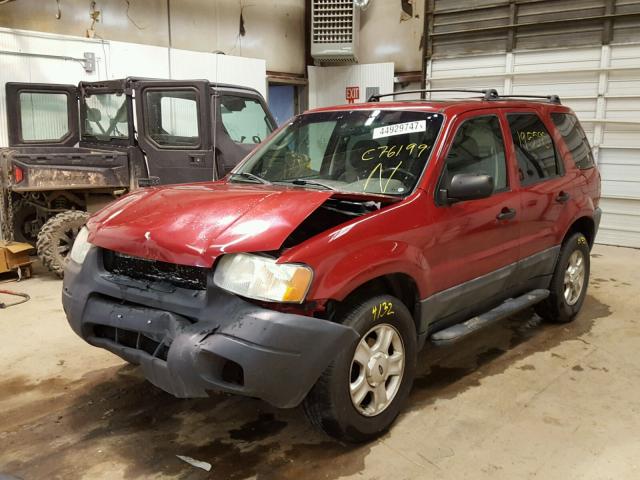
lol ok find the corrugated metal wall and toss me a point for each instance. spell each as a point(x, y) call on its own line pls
point(586, 51)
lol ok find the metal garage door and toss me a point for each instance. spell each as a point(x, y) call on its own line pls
point(588, 52)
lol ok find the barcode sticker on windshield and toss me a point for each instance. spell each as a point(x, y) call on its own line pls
point(400, 128)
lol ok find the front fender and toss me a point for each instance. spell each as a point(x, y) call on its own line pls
point(382, 243)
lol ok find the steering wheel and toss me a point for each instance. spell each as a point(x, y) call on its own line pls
point(407, 173)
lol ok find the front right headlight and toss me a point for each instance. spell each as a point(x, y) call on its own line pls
point(81, 246)
point(261, 278)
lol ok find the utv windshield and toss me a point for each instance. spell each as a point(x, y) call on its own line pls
point(373, 151)
point(105, 116)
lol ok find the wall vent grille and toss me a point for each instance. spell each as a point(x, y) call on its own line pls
point(334, 31)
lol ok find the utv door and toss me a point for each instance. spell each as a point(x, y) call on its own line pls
point(42, 114)
point(242, 120)
point(173, 130)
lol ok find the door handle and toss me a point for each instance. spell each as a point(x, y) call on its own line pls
point(196, 159)
point(563, 197)
point(506, 213)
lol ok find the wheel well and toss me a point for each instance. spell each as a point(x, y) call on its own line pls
point(398, 285)
point(584, 225)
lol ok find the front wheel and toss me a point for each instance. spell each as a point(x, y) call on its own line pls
point(569, 282)
point(362, 391)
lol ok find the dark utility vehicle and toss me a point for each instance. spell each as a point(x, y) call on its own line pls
point(354, 236)
point(131, 133)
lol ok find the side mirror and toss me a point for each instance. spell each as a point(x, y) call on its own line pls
point(467, 186)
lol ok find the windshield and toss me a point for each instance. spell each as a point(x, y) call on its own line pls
point(373, 151)
point(105, 116)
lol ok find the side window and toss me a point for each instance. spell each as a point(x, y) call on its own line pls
point(478, 147)
point(43, 116)
point(172, 117)
point(575, 138)
point(535, 152)
point(244, 119)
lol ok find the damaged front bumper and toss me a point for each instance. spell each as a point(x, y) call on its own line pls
point(189, 342)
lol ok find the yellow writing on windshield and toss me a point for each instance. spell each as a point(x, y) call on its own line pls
point(384, 151)
point(379, 168)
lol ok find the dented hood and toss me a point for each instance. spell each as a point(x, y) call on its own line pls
point(194, 224)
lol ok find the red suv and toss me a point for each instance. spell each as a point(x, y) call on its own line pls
point(316, 270)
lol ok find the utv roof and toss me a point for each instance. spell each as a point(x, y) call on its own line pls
point(125, 83)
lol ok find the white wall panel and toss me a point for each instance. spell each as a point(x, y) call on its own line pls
point(327, 85)
point(602, 85)
point(137, 60)
point(248, 72)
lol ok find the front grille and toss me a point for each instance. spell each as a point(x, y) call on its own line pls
point(131, 339)
point(194, 278)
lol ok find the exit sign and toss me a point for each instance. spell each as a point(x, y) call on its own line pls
point(352, 94)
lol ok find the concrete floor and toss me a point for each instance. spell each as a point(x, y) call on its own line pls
point(522, 400)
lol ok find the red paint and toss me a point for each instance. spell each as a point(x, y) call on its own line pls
point(437, 246)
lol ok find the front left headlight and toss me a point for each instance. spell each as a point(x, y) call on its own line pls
point(81, 246)
point(261, 278)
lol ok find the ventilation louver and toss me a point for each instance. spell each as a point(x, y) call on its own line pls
point(335, 25)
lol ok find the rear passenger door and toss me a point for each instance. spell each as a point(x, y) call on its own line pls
point(546, 188)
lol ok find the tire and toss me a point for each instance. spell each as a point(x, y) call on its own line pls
point(561, 307)
point(56, 237)
point(22, 214)
point(329, 404)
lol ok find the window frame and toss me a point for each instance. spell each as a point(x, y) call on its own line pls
point(450, 140)
point(181, 88)
point(550, 131)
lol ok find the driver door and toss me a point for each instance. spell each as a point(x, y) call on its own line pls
point(42, 115)
point(173, 119)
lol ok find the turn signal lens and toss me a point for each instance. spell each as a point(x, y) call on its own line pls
point(18, 174)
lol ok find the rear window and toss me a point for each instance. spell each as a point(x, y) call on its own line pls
point(43, 116)
point(535, 151)
point(575, 138)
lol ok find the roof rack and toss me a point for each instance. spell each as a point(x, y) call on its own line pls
point(487, 94)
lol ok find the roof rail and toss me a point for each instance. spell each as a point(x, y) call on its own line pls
point(549, 98)
point(487, 94)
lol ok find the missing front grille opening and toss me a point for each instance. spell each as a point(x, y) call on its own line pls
point(184, 276)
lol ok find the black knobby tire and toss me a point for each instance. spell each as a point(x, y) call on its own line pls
point(329, 406)
point(555, 308)
point(56, 237)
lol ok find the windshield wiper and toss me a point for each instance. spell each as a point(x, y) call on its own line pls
point(251, 176)
point(303, 181)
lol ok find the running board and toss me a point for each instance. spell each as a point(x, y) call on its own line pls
point(508, 307)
